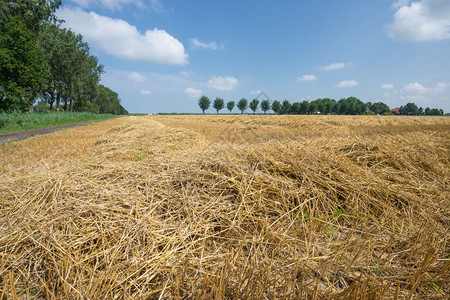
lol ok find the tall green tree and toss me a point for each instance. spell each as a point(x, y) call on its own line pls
point(242, 105)
point(86, 86)
point(218, 104)
point(254, 105)
point(276, 107)
point(286, 107)
point(21, 71)
point(295, 108)
point(230, 105)
point(409, 109)
point(351, 106)
point(73, 73)
point(379, 108)
point(107, 101)
point(204, 103)
point(265, 105)
point(304, 107)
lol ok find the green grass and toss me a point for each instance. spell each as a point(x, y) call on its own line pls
point(15, 121)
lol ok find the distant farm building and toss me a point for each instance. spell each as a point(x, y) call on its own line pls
point(395, 111)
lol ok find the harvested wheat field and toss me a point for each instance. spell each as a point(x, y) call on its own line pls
point(229, 207)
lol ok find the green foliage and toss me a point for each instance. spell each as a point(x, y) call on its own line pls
point(254, 105)
point(19, 121)
point(242, 105)
point(108, 101)
point(350, 106)
point(41, 60)
point(276, 107)
point(286, 107)
point(41, 106)
point(379, 108)
point(345, 106)
point(265, 105)
point(204, 103)
point(409, 109)
point(21, 72)
point(230, 105)
point(32, 13)
point(323, 106)
point(433, 112)
point(218, 104)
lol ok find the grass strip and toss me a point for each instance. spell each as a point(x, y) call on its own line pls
point(16, 121)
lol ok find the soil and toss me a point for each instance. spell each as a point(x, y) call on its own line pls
point(21, 135)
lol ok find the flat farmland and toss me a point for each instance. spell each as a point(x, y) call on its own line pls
point(229, 207)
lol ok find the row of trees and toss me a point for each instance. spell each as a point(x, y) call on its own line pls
point(40, 60)
point(413, 109)
point(345, 106)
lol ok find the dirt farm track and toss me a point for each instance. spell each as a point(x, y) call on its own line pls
point(228, 207)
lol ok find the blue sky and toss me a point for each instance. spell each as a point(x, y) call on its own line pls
point(162, 55)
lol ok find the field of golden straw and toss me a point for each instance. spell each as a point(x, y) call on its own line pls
point(229, 207)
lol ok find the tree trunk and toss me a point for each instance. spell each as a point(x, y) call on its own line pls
point(52, 100)
point(71, 105)
point(58, 101)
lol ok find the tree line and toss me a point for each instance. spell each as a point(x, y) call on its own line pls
point(41, 61)
point(345, 106)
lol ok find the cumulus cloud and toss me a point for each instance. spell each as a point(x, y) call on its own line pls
point(415, 99)
point(193, 93)
point(156, 5)
point(423, 20)
point(195, 43)
point(347, 83)
point(307, 78)
point(387, 86)
point(136, 77)
point(146, 92)
point(222, 83)
point(334, 66)
point(399, 3)
point(119, 38)
point(440, 87)
point(415, 87)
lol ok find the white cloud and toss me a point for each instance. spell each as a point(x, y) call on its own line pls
point(415, 87)
point(145, 92)
point(387, 86)
point(222, 83)
point(136, 77)
point(399, 3)
point(423, 20)
point(415, 99)
point(157, 5)
point(347, 83)
point(195, 43)
point(307, 78)
point(334, 66)
point(119, 38)
point(83, 3)
point(440, 87)
point(193, 93)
